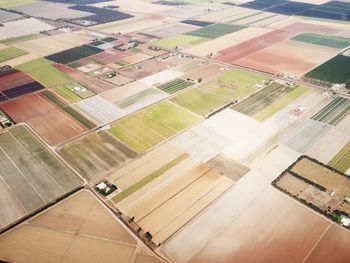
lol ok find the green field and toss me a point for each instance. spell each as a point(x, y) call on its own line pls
point(34, 65)
point(179, 40)
point(231, 85)
point(326, 41)
point(146, 128)
point(242, 78)
point(262, 99)
point(11, 52)
point(334, 112)
point(341, 161)
point(200, 101)
point(66, 94)
point(42, 71)
point(175, 86)
point(215, 31)
point(80, 90)
point(281, 103)
point(335, 70)
point(138, 97)
point(149, 178)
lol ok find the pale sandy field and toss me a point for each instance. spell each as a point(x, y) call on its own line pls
point(51, 44)
point(226, 41)
point(23, 27)
point(79, 229)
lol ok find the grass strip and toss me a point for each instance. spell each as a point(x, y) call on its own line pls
point(149, 178)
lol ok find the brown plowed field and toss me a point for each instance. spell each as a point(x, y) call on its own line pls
point(246, 48)
point(47, 119)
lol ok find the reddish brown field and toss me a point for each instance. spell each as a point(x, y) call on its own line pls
point(13, 80)
point(277, 58)
point(69, 71)
point(270, 230)
point(96, 85)
point(47, 119)
point(27, 107)
point(248, 47)
point(333, 247)
point(258, 43)
point(108, 58)
point(204, 72)
point(143, 69)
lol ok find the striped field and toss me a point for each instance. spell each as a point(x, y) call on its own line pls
point(334, 112)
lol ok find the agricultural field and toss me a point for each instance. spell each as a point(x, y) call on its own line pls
point(26, 26)
point(161, 121)
point(180, 41)
point(96, 154)
point(38, 111)
point(171, 195)
point(14, 83)
point(276, 58)
point(306, 135)
point(43, 71)
point(341, 161)
point(231, 85)
point(99, 110)
point(73, 54)
point(174, 86)
point(262, 99)
point(327, 41)
point(334, 112)
point(31, 175)
point(201, 142)
point(51, 233)
point(143, 69)
point(335, 70)
point(215, 30)
point(317, 186)
point(10, 53)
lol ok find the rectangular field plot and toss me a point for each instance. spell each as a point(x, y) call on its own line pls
point(175, 86)
point(166, 199)
point(43, 71)
point(14, 83)
point(39, 113)
point(215, 31)
point(144, 129)
point(96, 154)
point(73, 54)
point(321, 40)
point(305, 136)
point(140, 100)
point(201, 142)
point(318, 186)
point(341, 161)
point(281, 103)
point(11, 52)
point(261, 99)
point(227, 166)
point(99, 110)
point(143, 69)
point(180, 41)
point(277, 58)
point(31, 175)
point(334, 112)
point(231, 85)
point(335, 70)
point(96, 230)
